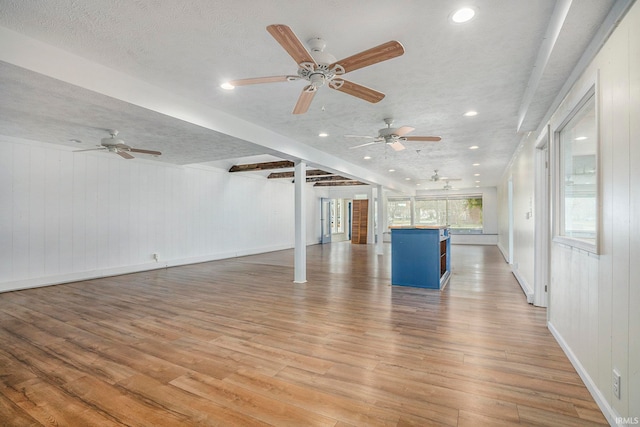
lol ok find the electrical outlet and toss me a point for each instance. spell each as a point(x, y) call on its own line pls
point(616, 384)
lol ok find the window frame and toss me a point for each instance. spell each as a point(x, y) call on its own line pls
point(590, 94)
point(447, 199)
point(409, 201)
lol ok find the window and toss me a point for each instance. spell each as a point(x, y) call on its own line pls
point(577, 177)
point(463, 213)
point(398, 212)
point(337, 209)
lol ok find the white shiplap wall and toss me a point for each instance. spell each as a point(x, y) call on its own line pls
point(70, 216)
point(594, 301)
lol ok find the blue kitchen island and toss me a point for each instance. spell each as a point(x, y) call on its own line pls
point(420, 256)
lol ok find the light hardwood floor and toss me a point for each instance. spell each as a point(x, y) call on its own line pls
point(236, 343)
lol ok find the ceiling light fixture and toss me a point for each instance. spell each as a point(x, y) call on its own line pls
point(476, 164)
point(392, 170)
point(470, 113)
point(463, 15)
point(581, 138)
point(476, 174)
point(473, 147)
point(323, 134)
point(407, 179)
point(367, 157)
point(227, 86)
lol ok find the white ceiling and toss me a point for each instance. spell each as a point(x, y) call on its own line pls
point(152, 70)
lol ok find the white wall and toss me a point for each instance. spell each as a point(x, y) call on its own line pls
point(594, 300)
point(522, 174)
point(68, 216)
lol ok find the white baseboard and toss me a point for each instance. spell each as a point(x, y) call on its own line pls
point(504, 252)
point(37, 282)
point(528, 291)
point(610, 414)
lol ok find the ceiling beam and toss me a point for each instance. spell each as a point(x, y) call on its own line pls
point(312, 172)
point(338, 183)
point(554, 28)
point(26, 52)
point(262, 166)
point(332, 178)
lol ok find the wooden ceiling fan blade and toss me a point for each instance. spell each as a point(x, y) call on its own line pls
point(291, 43)
point(124, 155)
point(423, 138)
point(371, 56)
point(356, 90)
point(138, 150)
point(260, 80)
point(404, 130)
point(304, 101)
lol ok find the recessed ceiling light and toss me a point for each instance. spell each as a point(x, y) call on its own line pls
point(473, 147)
point(581, 138)
point(323, 134)
point(464, 14)
point(407, 179)
point(367, 157)
point(476, 164)
point(227, 86)
point(477, 182)
point(392, 170)
point(470, 113)
point(476, 174)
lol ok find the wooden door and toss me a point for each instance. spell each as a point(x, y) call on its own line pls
point(360, 222)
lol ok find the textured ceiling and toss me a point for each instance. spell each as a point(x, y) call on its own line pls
point(189, 48)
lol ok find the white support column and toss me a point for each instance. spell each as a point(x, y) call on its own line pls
point(300, 251)
point(379, 221)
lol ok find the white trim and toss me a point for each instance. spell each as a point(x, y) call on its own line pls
point(542, 232)
point(526, 288)
point(608, 411)
point(503, 251)
point(16, 285)
point(589, 91)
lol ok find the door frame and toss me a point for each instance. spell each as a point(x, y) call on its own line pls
point(542, 238)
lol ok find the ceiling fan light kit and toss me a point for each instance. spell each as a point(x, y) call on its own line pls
point(393, 137)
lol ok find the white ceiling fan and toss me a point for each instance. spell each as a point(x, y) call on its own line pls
point(435, 177)
point(394, 137)
point(320, 68)
point(116, 145)
point(447, 186)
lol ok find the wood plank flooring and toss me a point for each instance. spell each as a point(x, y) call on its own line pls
point(237, 343)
